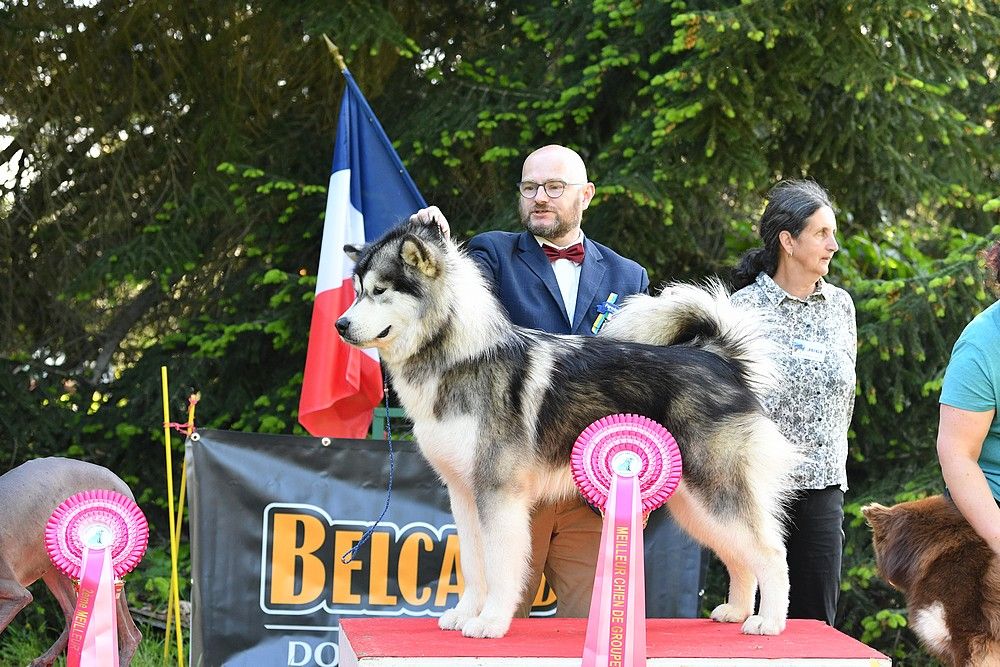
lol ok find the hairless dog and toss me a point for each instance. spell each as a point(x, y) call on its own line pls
point(28, 495)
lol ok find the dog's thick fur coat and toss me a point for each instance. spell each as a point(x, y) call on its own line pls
point(951, 578)
point(496, 410)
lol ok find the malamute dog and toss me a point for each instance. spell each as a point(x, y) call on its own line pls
point(950, 576)
point(496, 410)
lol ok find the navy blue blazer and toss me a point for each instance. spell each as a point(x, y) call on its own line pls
point(525, 283)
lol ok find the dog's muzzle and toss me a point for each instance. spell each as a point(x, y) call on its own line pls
point(343, 326)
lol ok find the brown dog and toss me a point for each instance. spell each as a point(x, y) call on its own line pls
point(28, 495)
point(951, 578)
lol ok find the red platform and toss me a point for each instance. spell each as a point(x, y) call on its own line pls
point(558, 642)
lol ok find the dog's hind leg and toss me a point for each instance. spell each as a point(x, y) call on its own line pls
point(129, 636)
point(767, 484)
point(752, 558)
point(506, 521)
point(770, 564)
point(740, 501)
point(695, 519)
point(753, 552)
point(64, 593)
point(470, 603)
point(738, 606)
point(13, 598)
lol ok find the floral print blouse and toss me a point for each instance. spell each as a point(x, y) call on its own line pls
point(817, 341)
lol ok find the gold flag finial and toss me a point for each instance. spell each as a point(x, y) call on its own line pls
point(335, 52)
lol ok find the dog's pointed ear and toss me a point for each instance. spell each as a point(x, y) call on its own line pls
point(353, 251)
point(875, 514)
point(421, 255)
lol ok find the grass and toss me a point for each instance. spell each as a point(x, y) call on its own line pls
point(22, 643)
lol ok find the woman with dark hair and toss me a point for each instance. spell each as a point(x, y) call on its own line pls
point(968, 443)
point(812, 324)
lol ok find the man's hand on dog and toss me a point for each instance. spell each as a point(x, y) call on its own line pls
point(431, 215)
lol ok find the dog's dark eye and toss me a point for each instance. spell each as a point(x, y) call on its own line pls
point(378, 290)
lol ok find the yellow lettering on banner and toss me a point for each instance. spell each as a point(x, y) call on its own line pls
point(409, 565)
point(378, 573)
point(304, 568)
point(287, 558)
point(545, 595)
point(341, 593)
point(449, 567)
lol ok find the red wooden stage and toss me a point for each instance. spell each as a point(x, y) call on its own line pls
point(558, 642)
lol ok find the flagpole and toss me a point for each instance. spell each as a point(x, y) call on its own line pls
point(335, 52)
point(370, 191)
point(383, 137)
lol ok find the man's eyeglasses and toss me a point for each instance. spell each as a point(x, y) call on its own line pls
point(553, 189)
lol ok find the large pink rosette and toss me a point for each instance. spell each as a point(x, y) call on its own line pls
point(627, 466)
point(95, 538)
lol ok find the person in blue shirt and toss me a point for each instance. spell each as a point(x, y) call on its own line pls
point(968, 443)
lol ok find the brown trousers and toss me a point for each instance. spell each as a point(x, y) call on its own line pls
point(565, 540)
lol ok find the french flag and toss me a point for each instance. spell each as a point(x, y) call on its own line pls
point(370, 191)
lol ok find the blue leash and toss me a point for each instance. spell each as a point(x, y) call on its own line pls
point(353, 551)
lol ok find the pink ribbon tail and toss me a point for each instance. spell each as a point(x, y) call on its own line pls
point(93, 637)
point(616, 628)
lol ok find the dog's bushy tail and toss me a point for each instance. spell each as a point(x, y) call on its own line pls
point(700, 316)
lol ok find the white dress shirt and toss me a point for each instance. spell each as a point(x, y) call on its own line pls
point(567, 276)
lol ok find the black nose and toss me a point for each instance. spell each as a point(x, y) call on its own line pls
point(343, 324)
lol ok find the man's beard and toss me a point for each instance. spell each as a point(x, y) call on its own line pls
point(556, 228)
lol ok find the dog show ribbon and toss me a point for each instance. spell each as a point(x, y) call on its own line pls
point(93, 633)
point(626, 466)
point(95, 538)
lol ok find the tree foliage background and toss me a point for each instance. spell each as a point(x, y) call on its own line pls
point(165, 166)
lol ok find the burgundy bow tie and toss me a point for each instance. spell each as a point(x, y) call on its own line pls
point(573, 253)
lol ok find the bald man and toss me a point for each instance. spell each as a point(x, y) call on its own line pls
point(552, 277)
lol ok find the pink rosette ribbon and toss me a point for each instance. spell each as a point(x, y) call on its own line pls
point(627, 466)
point(95, 538)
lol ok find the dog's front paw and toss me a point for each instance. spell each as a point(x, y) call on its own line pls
point(453, 619)
point(760, 625)
point(486, 627)
point(727, 613)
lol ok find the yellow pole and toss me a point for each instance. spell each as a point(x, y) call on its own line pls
point(192, 402)
point(170, 618)
point(175, 598)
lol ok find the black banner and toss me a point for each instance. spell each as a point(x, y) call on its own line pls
point(271, 517)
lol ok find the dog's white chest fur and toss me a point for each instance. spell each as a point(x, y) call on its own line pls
point(449, 445)
point(931, 624)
